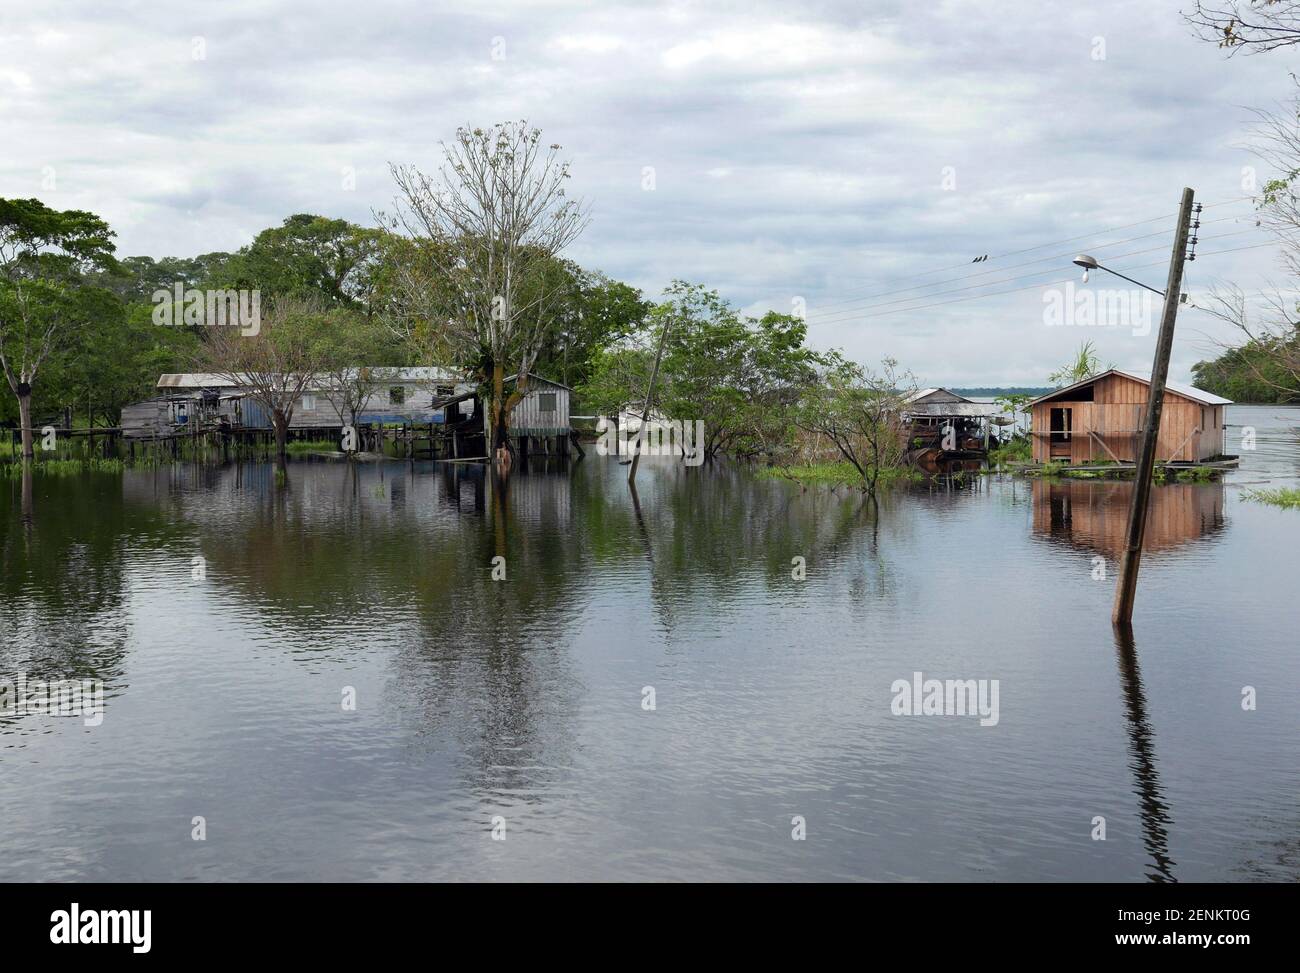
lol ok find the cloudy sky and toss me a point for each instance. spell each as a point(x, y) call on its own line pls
point(850, 158)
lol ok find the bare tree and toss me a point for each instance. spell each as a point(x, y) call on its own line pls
point(1269, 321)
point(1271, 327)
point(295, 346)
point(860, 412)
point(490, 225)
point(350, 390)
point(1253, 26)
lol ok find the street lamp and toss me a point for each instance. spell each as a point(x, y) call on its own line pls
point(1088, 263)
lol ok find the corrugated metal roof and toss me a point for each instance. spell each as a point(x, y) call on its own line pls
point(194, 380)
point(972, 409)
point(918, 396)
point(379, 374)
point(534, 377)
point(1186, 391)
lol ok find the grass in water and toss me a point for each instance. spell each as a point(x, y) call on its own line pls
point(835, 473)
point(1016, 451)
point(311, 446)
point(1288, 498)
point(65, 467)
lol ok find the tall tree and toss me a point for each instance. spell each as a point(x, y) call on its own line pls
point(299, 342)
point(740, 375)
point(310, 258)
point(46, 256)
point(492, 223)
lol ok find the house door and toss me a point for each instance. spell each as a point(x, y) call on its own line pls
point(1061, 432)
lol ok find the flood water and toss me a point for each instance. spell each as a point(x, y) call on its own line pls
point(520, 707)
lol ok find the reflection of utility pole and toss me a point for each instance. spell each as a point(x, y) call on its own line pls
point(649, 396)
point(1126, 589)
point(1152, 809)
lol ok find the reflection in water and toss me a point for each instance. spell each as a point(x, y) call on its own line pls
point(62, 584)
point(1152, 809)
point(522, 697)
point(1094, 515)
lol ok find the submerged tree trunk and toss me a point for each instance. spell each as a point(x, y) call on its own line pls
point(25, 421)
point(280, 422)
point(499, 431)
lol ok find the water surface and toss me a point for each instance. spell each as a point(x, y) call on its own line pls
point(521, 700)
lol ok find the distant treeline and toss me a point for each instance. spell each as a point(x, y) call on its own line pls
point(1003, 391)
point(1251, 373)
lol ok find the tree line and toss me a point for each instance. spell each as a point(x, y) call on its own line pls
point(466, 272)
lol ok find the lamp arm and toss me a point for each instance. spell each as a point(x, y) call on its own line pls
point(1130, 280)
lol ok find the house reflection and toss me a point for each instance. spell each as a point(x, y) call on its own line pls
point(1094, 515)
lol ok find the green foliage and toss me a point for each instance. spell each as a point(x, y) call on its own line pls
point(742, 376)
point(302, 446)
point(1053, 468)
point(1285, 497)
point(1016, 451)
point(842, 473)
point(859, 412)
point(51, 304)
point(1252, 372)
point(1085, 365)
point(64, 467)
point(594, 313)
point(307, 258)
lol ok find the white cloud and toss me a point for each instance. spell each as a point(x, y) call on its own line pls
point(797, 150)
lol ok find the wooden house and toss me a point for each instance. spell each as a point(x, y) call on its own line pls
point(1100, 418)
point(945, 432)
point(397, 396)
point(542, 414)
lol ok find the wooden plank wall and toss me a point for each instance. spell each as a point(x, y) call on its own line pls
point(1118, 406)
point(528, 415)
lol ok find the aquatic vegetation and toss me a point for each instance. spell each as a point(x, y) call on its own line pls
point(1054, 468)
point(65, 467)
point(1016, 451)
point(839, 473)
point(1285, 497)
point(312, 446)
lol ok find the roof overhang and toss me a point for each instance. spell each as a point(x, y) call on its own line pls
point(1177, 388)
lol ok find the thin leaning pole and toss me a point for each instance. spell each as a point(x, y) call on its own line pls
point(1126, 589)
point(649, 397)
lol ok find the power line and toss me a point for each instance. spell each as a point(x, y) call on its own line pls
point(847, 312)
point(1031, 287)
point(1042, 246)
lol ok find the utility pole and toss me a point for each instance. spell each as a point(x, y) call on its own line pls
point(1126, 589)
point(649, 397)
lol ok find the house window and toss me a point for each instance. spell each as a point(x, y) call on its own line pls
point(546, 401)
point(445, 390)
point(396, 395)
point(307, 403)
